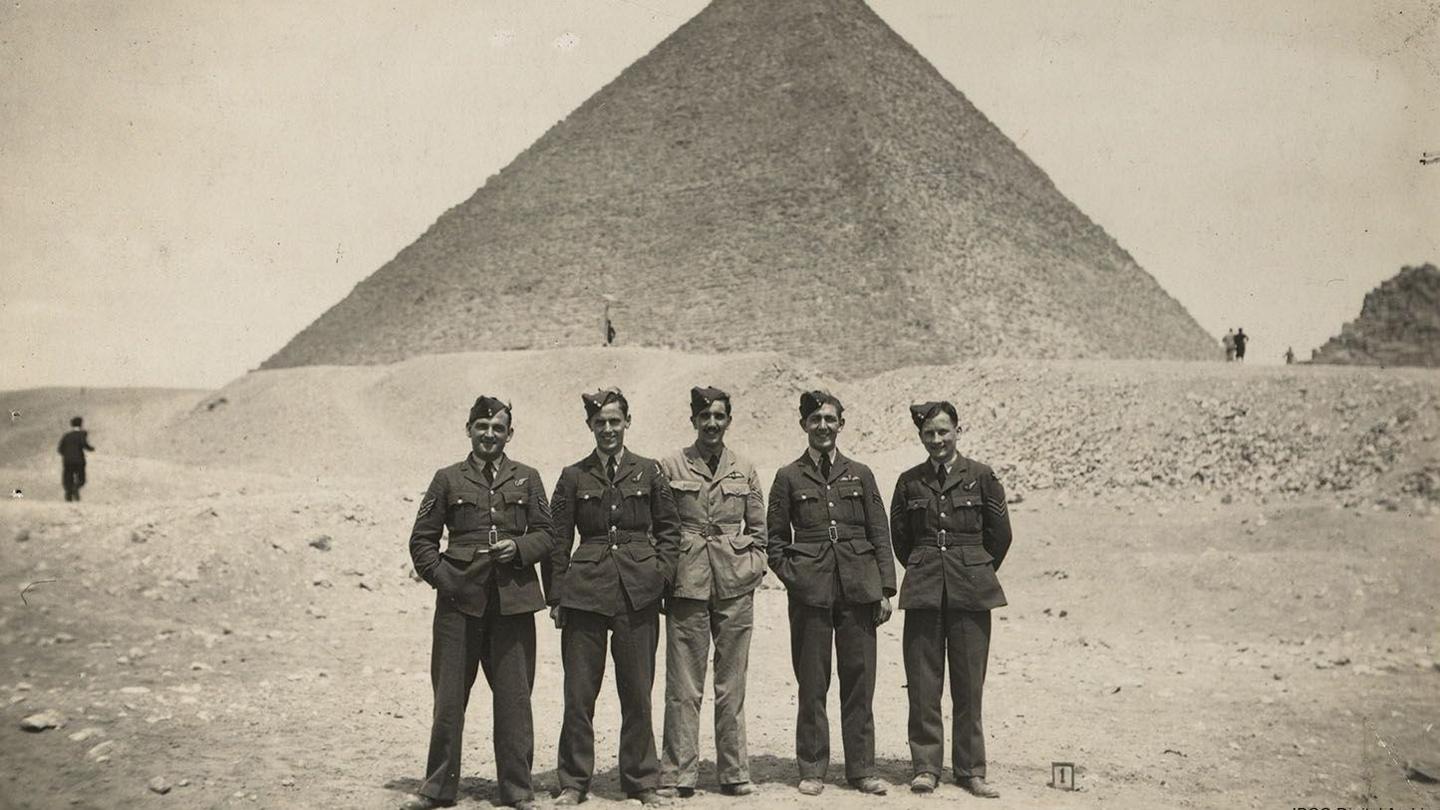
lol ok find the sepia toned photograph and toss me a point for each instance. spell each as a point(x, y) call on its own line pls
point(835, 404)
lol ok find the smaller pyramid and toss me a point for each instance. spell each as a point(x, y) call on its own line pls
point(1399, 324)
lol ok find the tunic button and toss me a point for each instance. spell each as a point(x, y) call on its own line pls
point(942, 514)
point(613, 547)
point(832, 504)
point(832, 523)
point(492, 509)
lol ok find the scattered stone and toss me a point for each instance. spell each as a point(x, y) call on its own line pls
point(86, 733)
point(23, 687)
point(321, 542)
point(288, 781)
point(137, 536)
point(101, 750)
point(159, 785)
point(41, 721)
point(134, 690)
point(183, 783)
point(199, 666)
point(320, 580)
point(22, 536)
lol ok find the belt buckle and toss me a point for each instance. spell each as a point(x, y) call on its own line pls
point(834, 534)
point(941, 540)
point(713, 530)
point(493, 537)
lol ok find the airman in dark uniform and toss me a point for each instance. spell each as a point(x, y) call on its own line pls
point(487, 592)
point(951, 531)
point(610, 586)
point(722, 560)
point(829, 543)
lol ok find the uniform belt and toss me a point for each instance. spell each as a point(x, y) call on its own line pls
point(617, 537)
point(478, 539)
point(830, 534)
point(711, 529)
point(945, 539)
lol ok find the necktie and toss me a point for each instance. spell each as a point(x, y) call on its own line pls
point(825, 466)
point(489, 472)
point(610, 468)
point(940, 475)
point(713, 463)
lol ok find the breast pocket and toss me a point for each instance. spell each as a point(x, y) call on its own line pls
point(917, 511)
point(637, 507)
point(732, 500)
point(851, 503)
point(967, 508)
point(590, 512)
point(463, 512)
point(517, 506)
point(806, 508)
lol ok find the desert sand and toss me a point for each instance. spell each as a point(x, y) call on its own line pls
point(1222, 589)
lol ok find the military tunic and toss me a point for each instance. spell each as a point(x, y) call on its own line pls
point(951, 536)
point(610, 585)
point(722, 560)
point(829, 543)
point(483, 613)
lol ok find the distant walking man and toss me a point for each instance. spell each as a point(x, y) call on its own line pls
point(72, 458)
point(610, 588)
point(1240, 340)
point(951, 531)
point(829, 543)
point(1289, 355)
point(486, 597)
point(1229, 343)
point(722, 560)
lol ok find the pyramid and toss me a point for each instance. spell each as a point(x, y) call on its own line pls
point(774, 176)
point(1399, 324)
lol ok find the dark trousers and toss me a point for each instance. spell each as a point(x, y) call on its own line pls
point(633, 639)
point(72, 477)
point(852, 629)
point(930, 637)
point(505, 647)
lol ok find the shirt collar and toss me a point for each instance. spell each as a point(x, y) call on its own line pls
point(936, 465)
point(815, 455)
point(605, 457)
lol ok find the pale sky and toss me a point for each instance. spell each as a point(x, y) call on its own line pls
point(185, 185)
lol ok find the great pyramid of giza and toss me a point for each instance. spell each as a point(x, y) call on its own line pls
point(777, 176)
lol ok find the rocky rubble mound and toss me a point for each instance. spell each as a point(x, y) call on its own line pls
point(1399, 324)
point(1160, 429)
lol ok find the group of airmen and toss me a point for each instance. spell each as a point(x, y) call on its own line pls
point(691, 537)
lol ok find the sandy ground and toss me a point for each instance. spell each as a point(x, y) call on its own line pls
point(188, 623)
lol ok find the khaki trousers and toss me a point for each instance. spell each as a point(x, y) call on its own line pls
point(689, 627)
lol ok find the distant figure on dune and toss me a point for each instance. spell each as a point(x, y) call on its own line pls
point(1229, 343)
point(72, 453)
point(1290, 355)
point(1240, 340)
point(609, 332)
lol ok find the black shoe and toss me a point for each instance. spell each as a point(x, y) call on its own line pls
point(569, 797)
point(675, 792)
point(651, 798)
point(738, 789)
point(811, 786)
